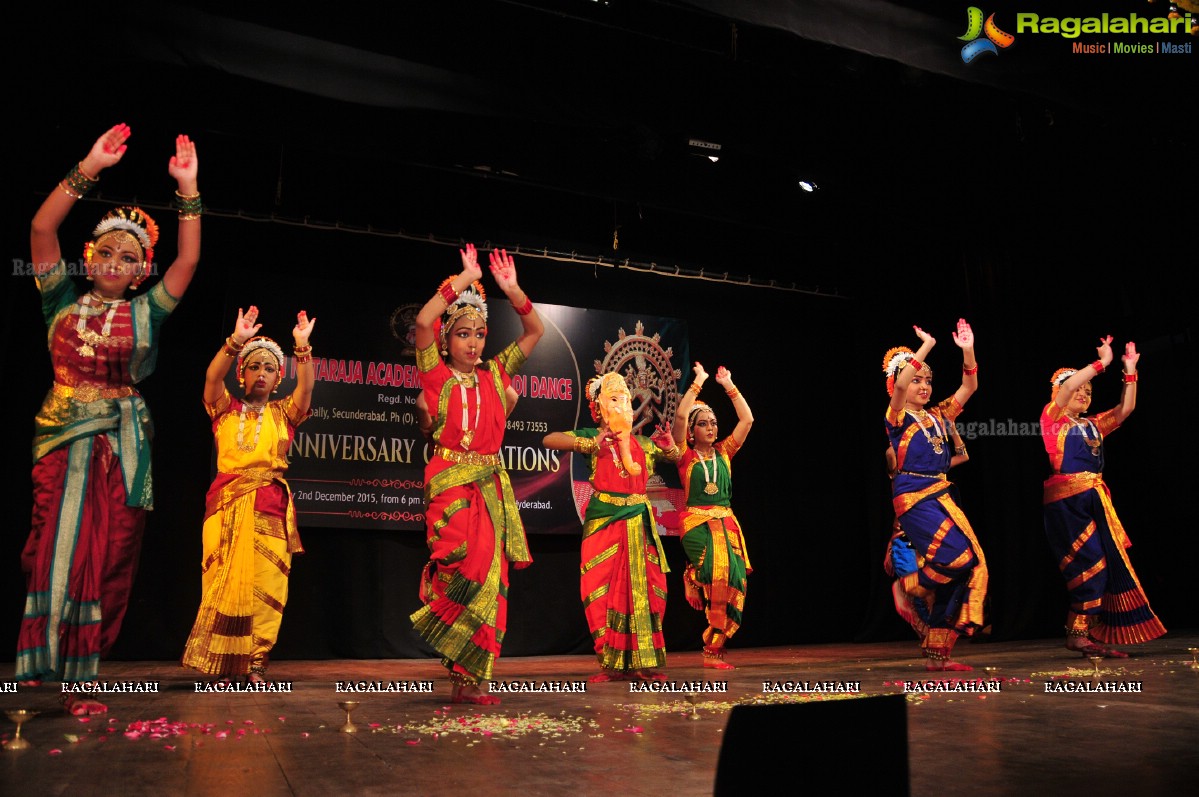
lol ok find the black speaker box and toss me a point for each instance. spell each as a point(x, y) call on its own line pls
point(836, 746)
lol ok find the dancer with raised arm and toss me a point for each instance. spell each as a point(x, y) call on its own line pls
point(250, 531)
point(1107, 604)
point(474, 529)
point(91, 449)
point(715, 578)
point(951, 579)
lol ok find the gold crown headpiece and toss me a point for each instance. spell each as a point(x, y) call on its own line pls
point(471, 303)
point(696, 409)
point(138, 224)
point(254, 344)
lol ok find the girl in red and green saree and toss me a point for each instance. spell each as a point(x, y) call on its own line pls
point(250, 531)
point(474, 529)
point(622, 575)
point(91, 449)
point(715, 578)
point(1107, 604)
point(951, 579)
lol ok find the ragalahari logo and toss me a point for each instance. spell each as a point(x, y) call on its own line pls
point(975, 27)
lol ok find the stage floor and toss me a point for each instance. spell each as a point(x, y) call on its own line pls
point(1039, 734)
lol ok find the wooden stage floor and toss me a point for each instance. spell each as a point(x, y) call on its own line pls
point(1037, 735)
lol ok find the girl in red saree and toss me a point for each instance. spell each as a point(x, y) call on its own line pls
point(622, 573)
point(91, 450)
point(474, 529)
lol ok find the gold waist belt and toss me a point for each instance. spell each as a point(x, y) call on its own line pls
point(711, 511)
point(468, 457)
point(923, 475)
point(266, 474)
point(87, 393)
point(1066, 485)
point(623, 500)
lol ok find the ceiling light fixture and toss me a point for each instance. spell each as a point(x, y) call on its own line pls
point(709, 149)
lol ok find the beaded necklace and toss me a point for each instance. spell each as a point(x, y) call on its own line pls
point(86, 335)
point(710, 487)
point(241, 426)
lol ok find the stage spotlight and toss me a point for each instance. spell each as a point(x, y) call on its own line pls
point(808, 185)
point(708, 149)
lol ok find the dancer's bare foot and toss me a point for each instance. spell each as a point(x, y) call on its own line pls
point(946, 665)
point(31, 683)
point(717, 663)
point(903, 605)
point(470, 693)
point(1089, 647)
point(81, 706)
point(650, 675)
point(605, 675)
point(693, 594)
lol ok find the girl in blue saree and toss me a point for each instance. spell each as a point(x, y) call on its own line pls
point(951, 579)
point(1107, 604)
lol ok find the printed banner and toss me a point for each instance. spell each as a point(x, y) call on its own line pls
point(359, 461)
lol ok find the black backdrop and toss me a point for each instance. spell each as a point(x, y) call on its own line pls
point(1046, 225)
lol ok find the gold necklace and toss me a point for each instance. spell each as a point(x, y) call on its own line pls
point(935, 442)
point(85, 335)
point(465, 381)
point(710, 487)
point(1082, 424)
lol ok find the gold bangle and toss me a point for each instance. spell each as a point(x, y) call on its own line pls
point(586, 445)
point(233, 344)
point(695, 388)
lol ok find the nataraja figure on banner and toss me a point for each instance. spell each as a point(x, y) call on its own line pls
point(250, 531)
point(622, 574)
point(715, 579)
point(91, 449)
point(1107, 604)
point(952, 577)
point(473, 527)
